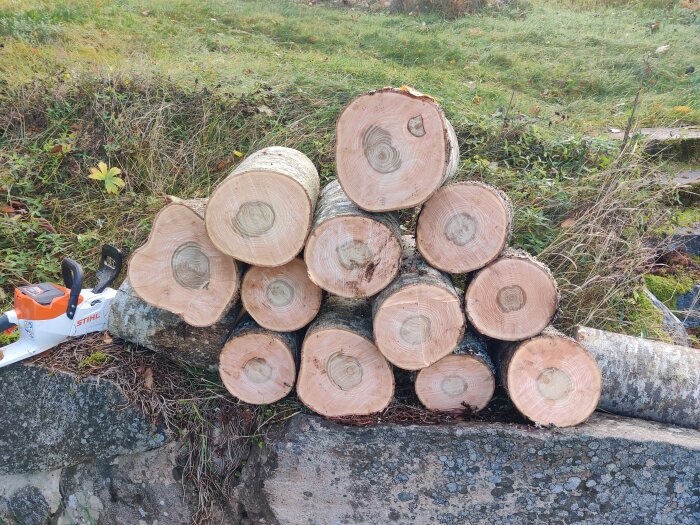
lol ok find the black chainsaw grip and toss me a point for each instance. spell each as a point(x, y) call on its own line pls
point(73, 278)
point(5, 323)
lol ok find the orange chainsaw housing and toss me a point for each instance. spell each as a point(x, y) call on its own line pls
point(28, 309)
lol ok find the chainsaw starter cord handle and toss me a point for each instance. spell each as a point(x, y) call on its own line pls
point(5, 323)
point(73, 278)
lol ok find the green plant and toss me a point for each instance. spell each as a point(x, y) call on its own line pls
point(110, 176)
point(668, 288)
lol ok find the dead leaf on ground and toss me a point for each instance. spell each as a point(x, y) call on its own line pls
point(266, 110)
point(148, 378)
point(46, 225)
point(568, 223)
point(475, 31)
point(145, 13)
point(662, 49)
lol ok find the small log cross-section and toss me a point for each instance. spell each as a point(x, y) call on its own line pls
point(418, 318)
point(551, 379)
point(342, 373)
point(513, 298)
point(261, 213)
point(459, 381)
point(350, 252)
point(646, 379)
point(394, 148)
point(464, 226)
point(281, 298)
point(180, 270)
point(257, 365)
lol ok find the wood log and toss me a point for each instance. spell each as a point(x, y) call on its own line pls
point(350, 252)
point(646, 379)
point(464, 226)
point(418, 318)
point(462, 380)
point(342, 373)
point(180, 270)
point(551, 379)
point(135, 321)
point(257, 365)
point(394, 149)
point(283, 298)
point(261, 213)
point(513, 298)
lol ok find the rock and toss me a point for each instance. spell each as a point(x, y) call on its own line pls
point(138, 488)
point(686, 240)
point(671, 324)
point(29, 498)
point(49, 421)
point(688, 307)
point(610, 470)
point(143, 487)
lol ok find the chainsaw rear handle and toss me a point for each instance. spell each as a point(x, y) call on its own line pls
point(5, 324)
point(109, 269)
point(73, 278)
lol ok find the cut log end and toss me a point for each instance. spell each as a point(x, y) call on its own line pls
point(511, 299)
point(394, 149)
point(257, 368)
point(353, 256)
point(463, 227)
point(342, 373)
point(261, 217)
point(552, 380)
point(418, 325)
point(456, 382)
point(282, 298)
point(261, 213)
point(180, 270)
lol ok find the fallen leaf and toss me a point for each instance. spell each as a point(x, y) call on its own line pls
point(266, 110)
point(475, 31)
point(662, 49)
point(145, 13)
point(476, 100)
point(681, 110)
point(238, 154)
point(46, 225)
point(148, 378)
point(568, 223)
point(535, 110)
point(107, 338)
point(199, 29)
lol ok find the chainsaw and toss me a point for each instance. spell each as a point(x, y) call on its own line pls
point(47, 314)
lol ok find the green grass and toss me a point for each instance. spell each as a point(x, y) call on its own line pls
point(167, 91)
point(566, 64)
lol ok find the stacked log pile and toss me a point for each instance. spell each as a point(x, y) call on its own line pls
point(390, 300)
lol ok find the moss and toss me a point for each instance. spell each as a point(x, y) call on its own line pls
point(6, 339)
point(668, 288)
point(687, 217)
point(643, 318)
point(94, 359)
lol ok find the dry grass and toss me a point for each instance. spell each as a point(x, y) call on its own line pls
point(608, 241)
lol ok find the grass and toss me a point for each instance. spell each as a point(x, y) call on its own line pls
point(167, 93)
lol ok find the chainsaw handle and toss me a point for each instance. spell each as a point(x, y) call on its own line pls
point(73, 278)
point(109, 269)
